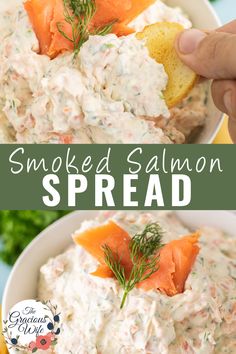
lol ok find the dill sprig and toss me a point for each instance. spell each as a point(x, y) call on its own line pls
point(144, 255)
point(79, 14)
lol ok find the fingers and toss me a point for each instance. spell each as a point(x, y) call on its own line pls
point(232, 130)
point(224, 96)
point(210, 55)
point(229, 27)
point(213, 55)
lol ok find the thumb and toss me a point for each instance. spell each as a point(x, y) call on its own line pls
point(211, 55)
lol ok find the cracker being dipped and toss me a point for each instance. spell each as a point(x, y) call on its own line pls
point(160, 38)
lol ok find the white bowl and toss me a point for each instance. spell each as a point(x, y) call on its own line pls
point(203, 16)
point(22, 283)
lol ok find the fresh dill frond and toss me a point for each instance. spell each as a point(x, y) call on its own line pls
point(144, 255)
point(114, 263)
point(149, 240)
point(103, 30)
point(79, 14)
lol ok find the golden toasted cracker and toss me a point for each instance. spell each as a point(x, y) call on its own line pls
point(160, 39)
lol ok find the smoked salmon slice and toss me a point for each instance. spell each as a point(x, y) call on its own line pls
point(41, 14)
point(176, 261)
point(59, 43)
point(46, 14)
point(176, 258)
point(109, 234)
point(122, 10)
point(184, 255)
point(137, 7)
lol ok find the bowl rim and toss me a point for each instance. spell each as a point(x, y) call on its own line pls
point(217, 128)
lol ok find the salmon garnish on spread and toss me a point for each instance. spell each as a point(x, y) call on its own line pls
point(46, 15)
point(174, 261)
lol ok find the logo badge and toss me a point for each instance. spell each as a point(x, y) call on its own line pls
point(32, 325)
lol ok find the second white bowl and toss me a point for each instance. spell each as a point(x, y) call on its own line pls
point(22, 283)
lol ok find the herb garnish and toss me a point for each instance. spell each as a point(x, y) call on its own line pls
point(144, 255)
point(79, 13)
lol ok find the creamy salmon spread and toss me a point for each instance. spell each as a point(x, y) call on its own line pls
point(200, 320)
point(111, 93)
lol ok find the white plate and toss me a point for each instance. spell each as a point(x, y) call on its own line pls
point(22, 283)
point(203, 16)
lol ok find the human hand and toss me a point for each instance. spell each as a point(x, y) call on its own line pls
point(213, 56)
